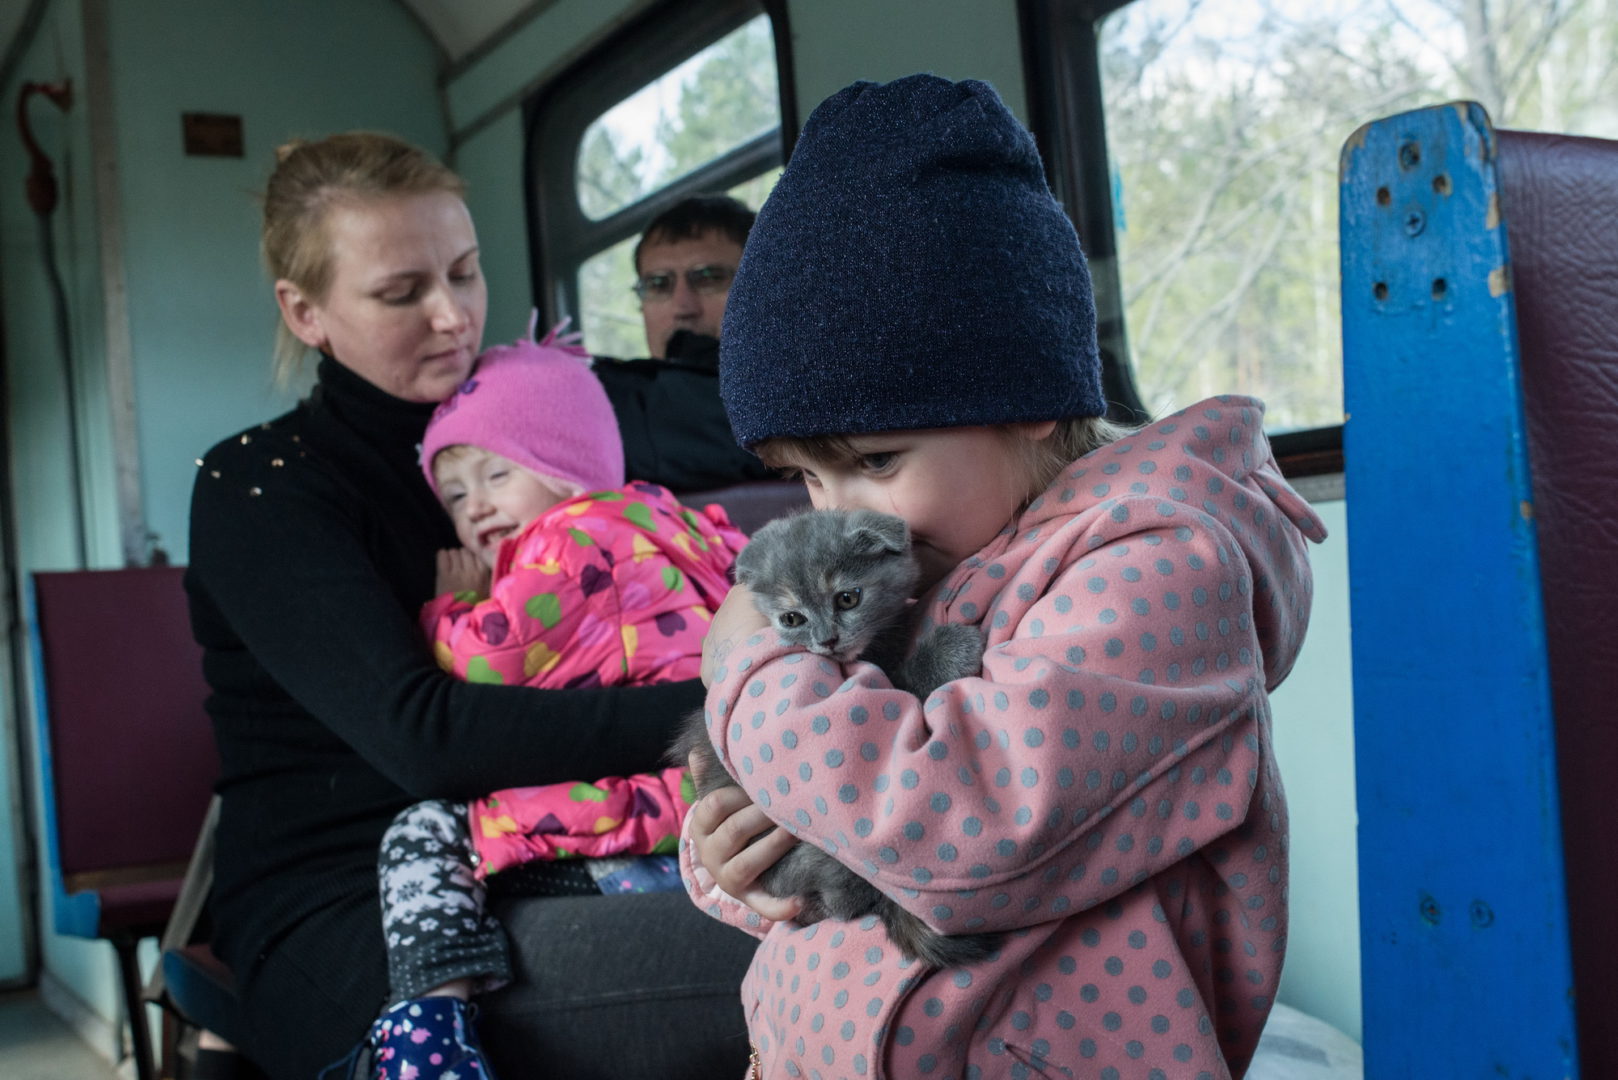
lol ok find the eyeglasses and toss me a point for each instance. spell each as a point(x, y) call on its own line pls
point(704, 281)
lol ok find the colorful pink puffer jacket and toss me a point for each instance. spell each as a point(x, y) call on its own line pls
point(608, 588)
point(1104, 795)
point(616, 815)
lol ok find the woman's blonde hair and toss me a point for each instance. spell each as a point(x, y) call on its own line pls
point(312, 177)
point(1042, 460)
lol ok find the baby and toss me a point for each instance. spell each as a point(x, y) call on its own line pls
point(568, 578)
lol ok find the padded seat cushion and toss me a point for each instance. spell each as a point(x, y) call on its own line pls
point(1559, 199)
point(142, 908)
point(752, 505)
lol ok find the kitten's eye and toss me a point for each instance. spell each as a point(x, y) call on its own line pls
point(792, 619)
point(848, 598)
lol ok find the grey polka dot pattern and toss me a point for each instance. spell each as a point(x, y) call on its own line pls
point(1104, 794)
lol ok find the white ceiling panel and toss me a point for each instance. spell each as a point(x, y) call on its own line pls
point(459, 26)
point(462, 25)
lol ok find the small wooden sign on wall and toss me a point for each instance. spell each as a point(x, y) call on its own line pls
point(212, 134)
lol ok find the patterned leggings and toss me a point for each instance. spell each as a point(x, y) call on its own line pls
point(433, 911)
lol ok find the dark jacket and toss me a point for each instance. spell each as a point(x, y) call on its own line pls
point(674, 427)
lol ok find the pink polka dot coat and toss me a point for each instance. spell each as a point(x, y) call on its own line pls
point(1104, 795)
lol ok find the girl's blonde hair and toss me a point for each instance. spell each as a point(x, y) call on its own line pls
point(1045, 459)
point(1042, 460)
point(312, 177)
point(453, 453)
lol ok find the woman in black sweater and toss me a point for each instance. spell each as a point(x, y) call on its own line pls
point(312, 549)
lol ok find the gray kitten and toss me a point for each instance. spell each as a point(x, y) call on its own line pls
point(836, 582)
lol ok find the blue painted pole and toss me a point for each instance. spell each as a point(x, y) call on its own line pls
point(1463, 912)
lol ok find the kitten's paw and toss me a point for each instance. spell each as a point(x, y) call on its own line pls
point(957, 650)
point(943, 654)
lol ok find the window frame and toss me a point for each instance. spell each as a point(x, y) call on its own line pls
point(561, 236)
point(1067, 114)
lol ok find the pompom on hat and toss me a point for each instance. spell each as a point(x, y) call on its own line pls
point(910, 270)
point(538, 404)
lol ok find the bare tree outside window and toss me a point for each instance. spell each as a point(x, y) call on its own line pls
point(1224, 122)
point(717, 100)
point(609, 314)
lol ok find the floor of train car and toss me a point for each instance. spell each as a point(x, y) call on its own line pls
point(35, 1044)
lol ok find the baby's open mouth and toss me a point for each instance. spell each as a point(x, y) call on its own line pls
point(491, 537)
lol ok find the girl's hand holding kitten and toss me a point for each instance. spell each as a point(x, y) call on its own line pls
point(737, 619)
point(461, 571)
point(722, 825)
point(724, 822)
point(837, 585)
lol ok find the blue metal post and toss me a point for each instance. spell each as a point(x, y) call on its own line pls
point(1463, 913)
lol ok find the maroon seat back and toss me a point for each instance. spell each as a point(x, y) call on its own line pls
point(751, 505)
point(131, 748)
point(1559, 199)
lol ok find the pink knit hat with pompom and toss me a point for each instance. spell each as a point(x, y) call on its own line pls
point(538, 404)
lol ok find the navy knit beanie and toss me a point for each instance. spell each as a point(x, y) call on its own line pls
point(910, 270)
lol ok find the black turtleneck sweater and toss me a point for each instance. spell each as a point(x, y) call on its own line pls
point(312, 544)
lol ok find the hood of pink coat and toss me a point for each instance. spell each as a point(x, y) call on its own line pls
point(1220, 461)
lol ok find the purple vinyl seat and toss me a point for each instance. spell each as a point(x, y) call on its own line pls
point(750, 505)
point(127, 753)
point(1559, 199)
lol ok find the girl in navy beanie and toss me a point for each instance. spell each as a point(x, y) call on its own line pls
point(912, 329)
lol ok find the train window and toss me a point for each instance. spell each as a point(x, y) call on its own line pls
point(709, 105)
point(1224, 120)
point(688, 99)
point(1195, 143)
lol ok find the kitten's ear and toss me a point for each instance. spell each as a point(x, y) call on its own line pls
point(871, 533)
point(742, 569)
point(750, 560)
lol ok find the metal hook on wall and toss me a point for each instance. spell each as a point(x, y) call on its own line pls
point(42, 189)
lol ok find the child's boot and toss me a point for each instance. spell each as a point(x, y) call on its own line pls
point(429, 1038)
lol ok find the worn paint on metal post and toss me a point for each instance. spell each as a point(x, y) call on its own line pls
point(1463, 912)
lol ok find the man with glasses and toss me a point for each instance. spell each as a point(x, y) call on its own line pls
point(683, 266)
point(674, 427)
